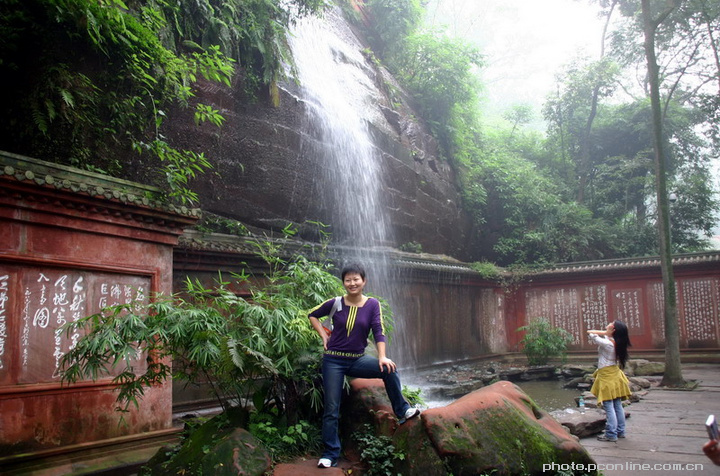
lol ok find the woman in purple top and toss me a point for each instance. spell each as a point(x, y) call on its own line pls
point(344, 356)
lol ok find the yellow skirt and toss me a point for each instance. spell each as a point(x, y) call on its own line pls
point(610, 383)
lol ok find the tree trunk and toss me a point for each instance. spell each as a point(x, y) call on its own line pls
point(673, 371)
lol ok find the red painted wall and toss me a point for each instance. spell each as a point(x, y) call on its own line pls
point(70, 244)
point(589, 296)
point(445, 312)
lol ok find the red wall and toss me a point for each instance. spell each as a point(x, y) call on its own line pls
point(446, 312)
point(589, 296)
point(70, 244)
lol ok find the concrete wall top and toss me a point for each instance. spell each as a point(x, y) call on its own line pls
point(78, 191)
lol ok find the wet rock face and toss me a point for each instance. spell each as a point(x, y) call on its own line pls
point(266, 173)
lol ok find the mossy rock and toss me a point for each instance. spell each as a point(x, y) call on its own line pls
point(499, 430)
point(495, 430)
point(421, 458)
point(219, 447)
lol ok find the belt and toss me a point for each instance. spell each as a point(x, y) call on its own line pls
point(337, 353)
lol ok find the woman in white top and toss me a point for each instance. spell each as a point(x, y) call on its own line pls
point(611, 385)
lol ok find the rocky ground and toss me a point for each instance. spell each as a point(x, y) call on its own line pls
point(454, 381)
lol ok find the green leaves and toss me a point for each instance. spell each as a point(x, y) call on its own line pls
point(439, 72)
point(260, 346)
point(285, 440)
point(378, 452)
point(88, 82)
point(392, 22)
point(543, 342)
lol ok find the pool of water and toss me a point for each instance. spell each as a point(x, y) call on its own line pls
point(550, 394)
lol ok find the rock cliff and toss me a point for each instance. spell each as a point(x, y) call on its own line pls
point(266, 173)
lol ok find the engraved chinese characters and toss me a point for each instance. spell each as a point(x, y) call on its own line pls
point(34, 305)
point(4, 284)
point(639, 304)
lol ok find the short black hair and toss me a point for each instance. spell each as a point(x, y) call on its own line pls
point(353, 268)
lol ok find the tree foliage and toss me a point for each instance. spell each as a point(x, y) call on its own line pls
point(438, 71)
point(615, 179)
point(261, 349)
point(392, 21)
point(86, 82)
point(89, 82)
point(585, 190)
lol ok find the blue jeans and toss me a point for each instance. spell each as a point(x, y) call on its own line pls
point(615, 415)
point(334, 370)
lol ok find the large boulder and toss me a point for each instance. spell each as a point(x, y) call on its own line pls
point(219, 447)
point(573, 371)
point(642, 367)
point(367, 404)
point(497, 429)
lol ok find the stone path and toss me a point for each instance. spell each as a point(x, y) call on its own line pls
point(665, 429)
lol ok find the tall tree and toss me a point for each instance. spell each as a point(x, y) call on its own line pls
point(651, 21)
point(571, 114)
point(597, 87)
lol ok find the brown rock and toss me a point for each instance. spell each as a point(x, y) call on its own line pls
point(497, 429)
point(368, 404)
point(305, 468)
point(582, 424)
point(642, 367)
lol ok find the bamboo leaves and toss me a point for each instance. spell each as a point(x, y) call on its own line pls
point(212, 336)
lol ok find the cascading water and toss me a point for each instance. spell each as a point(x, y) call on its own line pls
point(330, 75)
point(341, 100)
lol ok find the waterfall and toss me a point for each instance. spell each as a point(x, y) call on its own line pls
point(335, 90)
point(341, 100)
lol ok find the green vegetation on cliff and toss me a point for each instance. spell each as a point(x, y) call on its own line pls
point(93, 85)
point(90, 84)
point(586, 189)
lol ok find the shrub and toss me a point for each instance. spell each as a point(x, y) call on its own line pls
point(377, 452)
point(543, 342)
point(261, 349)
point(413, 396)
point(285, 441)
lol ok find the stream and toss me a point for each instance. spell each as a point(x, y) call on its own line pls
point(441, 386)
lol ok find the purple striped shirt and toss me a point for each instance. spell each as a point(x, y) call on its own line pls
point(352, 326)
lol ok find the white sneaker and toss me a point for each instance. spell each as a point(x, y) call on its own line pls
point(326, 463)
point(411, 412)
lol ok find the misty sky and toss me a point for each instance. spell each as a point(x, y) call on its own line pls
point(526, 43)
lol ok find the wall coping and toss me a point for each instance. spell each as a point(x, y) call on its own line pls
point(647, 262)
point(232, 244)
point(22, 169)
point(193, 240)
